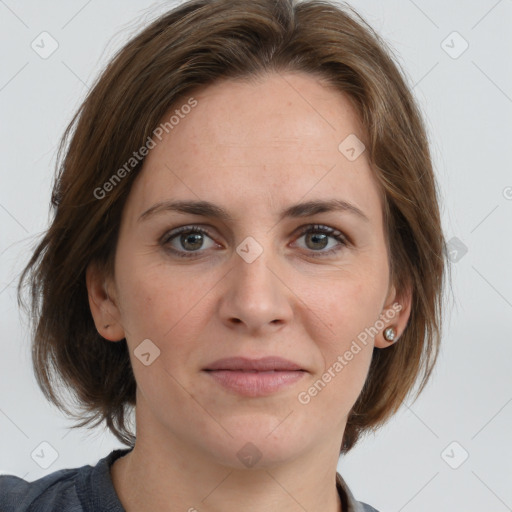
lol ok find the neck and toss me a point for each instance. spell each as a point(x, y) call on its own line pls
point(171, 477)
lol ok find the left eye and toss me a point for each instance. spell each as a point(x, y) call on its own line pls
point(191, 239)
point(319, 235)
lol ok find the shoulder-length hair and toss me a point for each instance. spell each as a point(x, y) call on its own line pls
point(196, 44)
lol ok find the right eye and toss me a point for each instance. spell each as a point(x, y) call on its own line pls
point(190, 240)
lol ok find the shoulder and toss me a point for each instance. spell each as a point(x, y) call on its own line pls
point(55, 491)
point(83, 489)
point(367, 508)
point(348, 500)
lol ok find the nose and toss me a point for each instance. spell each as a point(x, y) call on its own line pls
point(256, 298)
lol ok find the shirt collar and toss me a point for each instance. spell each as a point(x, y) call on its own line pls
point(348, 502)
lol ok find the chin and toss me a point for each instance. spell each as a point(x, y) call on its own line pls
point(257, 443)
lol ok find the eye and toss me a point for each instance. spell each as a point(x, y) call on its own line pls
point(187, 241)
point(317, 238)
point(189, 238)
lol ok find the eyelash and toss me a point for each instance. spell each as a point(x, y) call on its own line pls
point(311, 228)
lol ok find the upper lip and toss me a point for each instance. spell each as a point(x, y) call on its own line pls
point(262, 365)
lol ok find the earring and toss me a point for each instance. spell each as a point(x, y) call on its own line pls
point(390, 334)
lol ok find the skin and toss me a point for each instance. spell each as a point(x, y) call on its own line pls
point(253, 149)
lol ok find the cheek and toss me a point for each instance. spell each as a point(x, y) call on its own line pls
point(146, 296)
point(343, 371)
point(160, 303)
point(346, 304)
point(343, 311)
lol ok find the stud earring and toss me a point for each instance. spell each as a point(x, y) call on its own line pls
point(390, 334)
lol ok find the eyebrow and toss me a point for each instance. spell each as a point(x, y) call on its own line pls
point(211, 210)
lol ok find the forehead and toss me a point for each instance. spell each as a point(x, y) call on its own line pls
point(267, 143)
point(288, 113)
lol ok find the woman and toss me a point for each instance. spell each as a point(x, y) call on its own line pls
point(247, 247)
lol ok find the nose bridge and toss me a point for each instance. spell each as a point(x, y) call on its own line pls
point(255, 295)
point(252, 264)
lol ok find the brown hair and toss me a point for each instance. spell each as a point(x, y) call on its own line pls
point(196, 44)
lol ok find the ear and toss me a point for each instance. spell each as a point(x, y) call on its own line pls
point(395, 314)
point(103, 304)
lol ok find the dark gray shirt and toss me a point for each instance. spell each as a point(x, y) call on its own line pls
point(90, 489)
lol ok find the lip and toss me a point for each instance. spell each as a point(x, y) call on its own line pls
point(255, 377)
point(263, 364)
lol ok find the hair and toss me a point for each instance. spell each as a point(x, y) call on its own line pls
point(196, 44)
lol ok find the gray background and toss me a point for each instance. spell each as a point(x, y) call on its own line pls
point(412, 463)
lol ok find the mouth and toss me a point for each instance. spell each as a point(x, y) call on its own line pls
point(265, 364)
point(255, 377)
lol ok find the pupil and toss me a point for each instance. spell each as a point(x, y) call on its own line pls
point(316, 236)
point(196, 237)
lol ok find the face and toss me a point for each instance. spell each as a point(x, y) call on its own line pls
point(252, 283)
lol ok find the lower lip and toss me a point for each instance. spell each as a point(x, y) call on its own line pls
point(255, 383)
